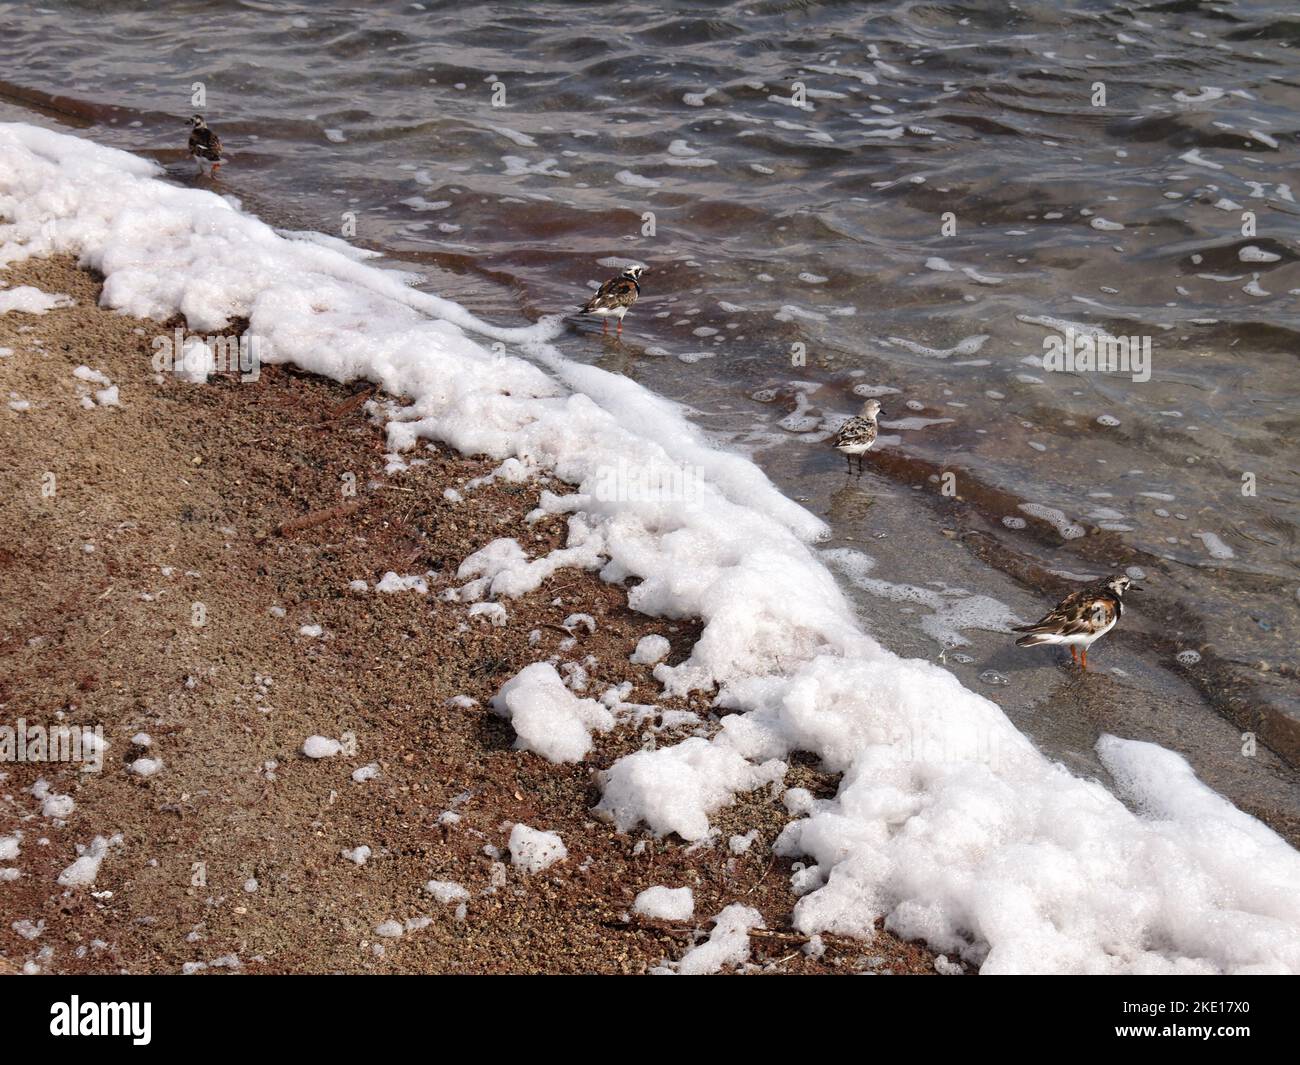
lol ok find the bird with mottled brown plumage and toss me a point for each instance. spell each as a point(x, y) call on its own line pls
point(615, 297)
point(1081, 618)
point(205, 145)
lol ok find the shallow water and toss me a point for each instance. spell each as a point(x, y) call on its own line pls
point(902, 199)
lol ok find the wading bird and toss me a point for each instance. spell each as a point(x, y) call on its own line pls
point(858, 434)
point(205, 145)
point(1081, 618)
point(615, 296)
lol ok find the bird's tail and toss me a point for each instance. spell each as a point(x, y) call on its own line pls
point(1033, 639)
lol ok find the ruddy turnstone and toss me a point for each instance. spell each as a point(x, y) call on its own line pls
point(1081, 617)
point(856, 435)
point(205, 145)
point(615, 296)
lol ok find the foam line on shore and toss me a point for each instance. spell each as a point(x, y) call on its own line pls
point(947, 823)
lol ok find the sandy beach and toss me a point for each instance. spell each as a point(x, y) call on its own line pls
point(430, 641)
point(232, 496)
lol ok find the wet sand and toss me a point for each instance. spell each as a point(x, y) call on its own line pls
point(179, 493)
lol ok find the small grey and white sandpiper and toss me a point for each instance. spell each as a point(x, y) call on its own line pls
point(857, 435)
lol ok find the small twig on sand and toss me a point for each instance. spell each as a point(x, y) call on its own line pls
point(785, 937)
point(347, 406)
point(316, 517)
point(758, 933)
point(352, 403)
point(755, 885)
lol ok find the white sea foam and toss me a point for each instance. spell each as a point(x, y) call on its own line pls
point(30, 300)
point(85, 869)
point(947, 822)
point(1215, 545)
point(534, 850)
point(953, 609)
point(665, 903)
point(636, 181)
point(1253, 254)
point(1068, 529)
point(979, 278)
point(1206, 94)
point(968, 346)
point(864, 76)
point(728, 943)
point(547, 717)
point(419, 203)
point(515, 137)
point(650, 650)
point(1196, 159)
point(518, 166)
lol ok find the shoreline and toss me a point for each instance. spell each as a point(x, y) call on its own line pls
point(914, 799)
point(196, 479)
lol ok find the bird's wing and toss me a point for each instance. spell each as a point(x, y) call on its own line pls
point(205, 143)
point(617, 292)
point(1078, 613)
point(856, 431)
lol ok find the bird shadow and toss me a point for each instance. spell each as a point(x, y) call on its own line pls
point(1012, 660)
point(585, 327)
